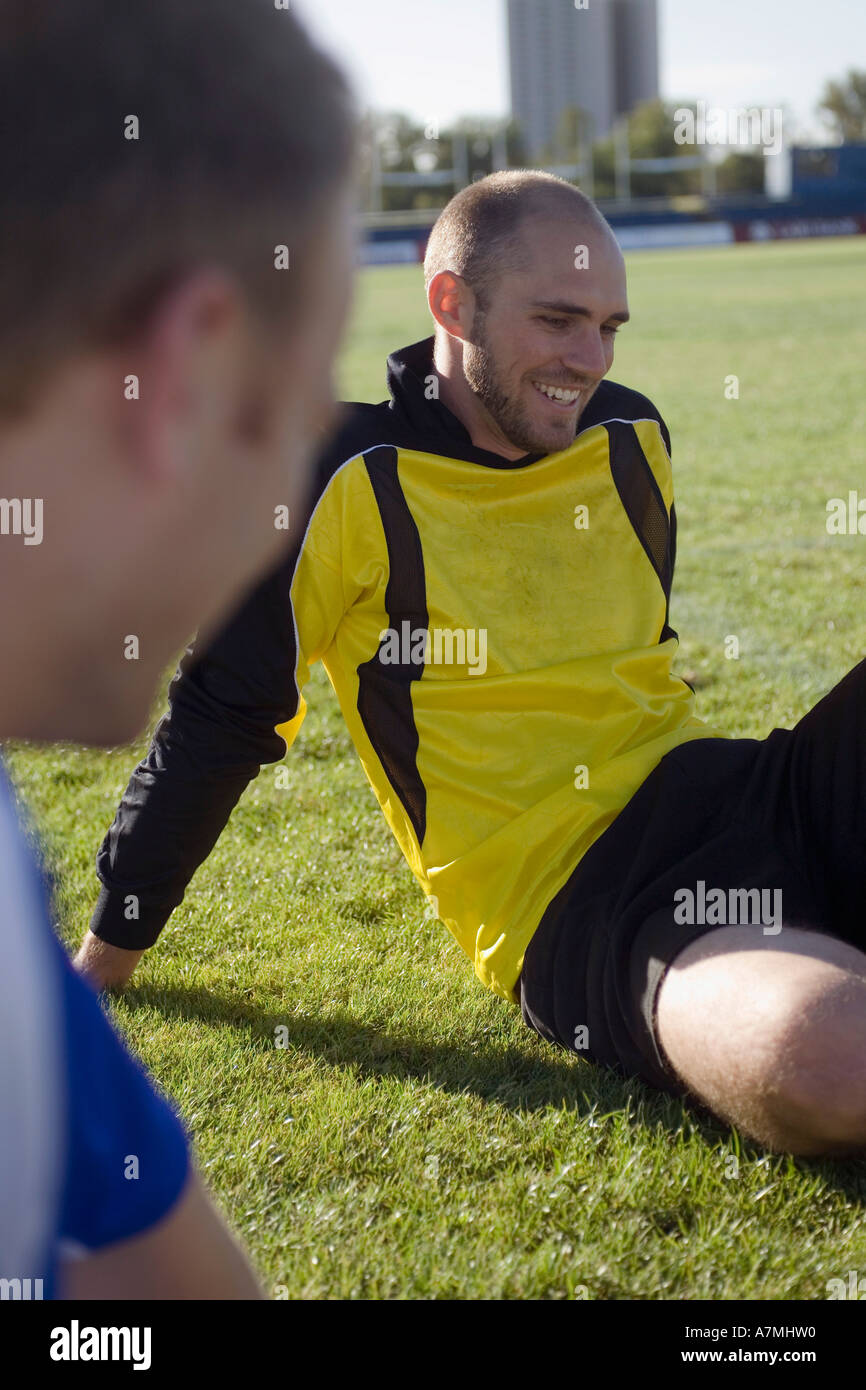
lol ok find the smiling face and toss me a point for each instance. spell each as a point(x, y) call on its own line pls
point(543, 339)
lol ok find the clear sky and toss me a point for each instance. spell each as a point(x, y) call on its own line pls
point(444, 58)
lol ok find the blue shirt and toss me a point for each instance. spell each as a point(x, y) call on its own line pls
point(90, 1152)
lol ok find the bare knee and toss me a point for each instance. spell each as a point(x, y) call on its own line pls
point(818, 1087)
point(772, 1038)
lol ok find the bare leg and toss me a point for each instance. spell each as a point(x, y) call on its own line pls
point(770, 1033)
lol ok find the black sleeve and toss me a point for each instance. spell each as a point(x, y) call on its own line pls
point(224, 703)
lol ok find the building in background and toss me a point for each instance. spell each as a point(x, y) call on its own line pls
point(602, 60)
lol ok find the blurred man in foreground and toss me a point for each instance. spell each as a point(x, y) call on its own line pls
point(175, 267)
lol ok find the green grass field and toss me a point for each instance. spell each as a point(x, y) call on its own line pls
point(414, 1139)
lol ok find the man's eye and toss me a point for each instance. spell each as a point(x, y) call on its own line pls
point(555, 323)
point(610, 328)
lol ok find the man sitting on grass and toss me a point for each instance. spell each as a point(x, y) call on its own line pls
point(486, 578)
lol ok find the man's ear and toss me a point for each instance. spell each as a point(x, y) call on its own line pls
point(452, 303)
point(187, 365)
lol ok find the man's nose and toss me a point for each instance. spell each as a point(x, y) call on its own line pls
point(586, 354)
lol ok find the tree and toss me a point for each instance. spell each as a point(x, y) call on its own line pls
point(651, 134)
point(651, 128)
point(403, 146)
point(844, 106)
point(742, 171)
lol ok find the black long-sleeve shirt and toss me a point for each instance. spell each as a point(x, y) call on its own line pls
point(217, 733)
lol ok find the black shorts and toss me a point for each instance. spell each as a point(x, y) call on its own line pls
point(786, 813)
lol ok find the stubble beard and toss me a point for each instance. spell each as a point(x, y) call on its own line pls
point(511, 417)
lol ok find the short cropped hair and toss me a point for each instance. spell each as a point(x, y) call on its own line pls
point(478, 235)
point(244, 129)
